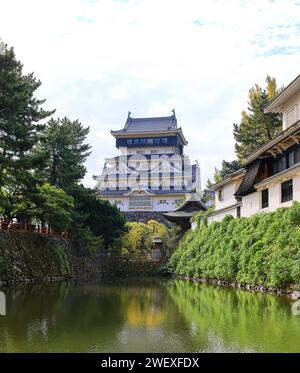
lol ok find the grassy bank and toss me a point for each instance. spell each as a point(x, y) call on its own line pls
point(263, 249)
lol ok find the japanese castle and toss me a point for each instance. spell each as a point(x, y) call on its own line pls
point(151, 172)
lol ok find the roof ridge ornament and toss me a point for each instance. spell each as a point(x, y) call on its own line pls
point(129, 118)
point(174, 119)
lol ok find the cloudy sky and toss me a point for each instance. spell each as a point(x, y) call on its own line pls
point(97, 59)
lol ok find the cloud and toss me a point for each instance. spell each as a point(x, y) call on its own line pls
point(85, 20)
point(99, 59)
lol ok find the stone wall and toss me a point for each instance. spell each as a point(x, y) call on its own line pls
point(29, 257)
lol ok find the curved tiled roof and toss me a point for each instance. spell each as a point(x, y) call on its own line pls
point(153, 125)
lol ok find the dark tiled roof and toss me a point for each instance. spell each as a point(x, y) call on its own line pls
point(192, 203)
point(247, 185)
point(110, 192)
point(136, 125)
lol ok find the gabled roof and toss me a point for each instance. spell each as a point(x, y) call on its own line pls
point(189, 208)
point(192, 203)
point(275, 105)
point(135, 125)
point(234, 176)
point(150, 126)
point(247, 184)
point(114, 192)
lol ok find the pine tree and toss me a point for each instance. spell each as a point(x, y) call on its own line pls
point(227, 169)
point(20, 128)
point(256, 127)
point(64, 144)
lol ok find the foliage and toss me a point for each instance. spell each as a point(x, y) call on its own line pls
point(139, 237)
point(96, 218)
point(256, 127)
point(227, 169)
point(263, 249)
point(63, 143)
point(3, 268)
point(55, 207)
point(62, 261)
point(20, 130)
point(41, 165)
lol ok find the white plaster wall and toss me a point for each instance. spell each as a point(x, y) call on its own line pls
point(124, 202)
point(221, 216)
point(228, 196)
point(289, 104)
point(252, 202)
point(170, 204)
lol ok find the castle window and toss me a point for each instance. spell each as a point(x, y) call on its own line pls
point(156, 140)
point(291, 116)
point(291, 159)
point(143, 141)
point(282, 164)
point(149, 141)
point(129, 141)
point(136, 141)
point(164, 140)
point(297, 155)
point(220, 195)
point(265, 198)
point(287, 191)
point(162, 202)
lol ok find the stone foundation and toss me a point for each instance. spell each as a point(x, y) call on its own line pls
point(30, 257)
point(291, 292)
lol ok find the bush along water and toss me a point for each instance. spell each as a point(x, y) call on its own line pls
point(261, 250)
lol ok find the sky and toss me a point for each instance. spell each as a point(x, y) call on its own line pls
point(98, 59)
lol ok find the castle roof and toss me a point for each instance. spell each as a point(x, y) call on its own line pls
point(183, 213)
point(150, 126)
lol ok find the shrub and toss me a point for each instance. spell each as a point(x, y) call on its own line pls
point(263, 249)
point(139, 237)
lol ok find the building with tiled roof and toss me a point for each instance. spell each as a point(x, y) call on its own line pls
point(151, 173)
point(271, 175)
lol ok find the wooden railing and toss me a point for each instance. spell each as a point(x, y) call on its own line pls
point(9, 225)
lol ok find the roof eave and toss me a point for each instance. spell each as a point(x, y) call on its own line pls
point(282, 136)
point(234, 176)
point(279, 100)
point(124, 134)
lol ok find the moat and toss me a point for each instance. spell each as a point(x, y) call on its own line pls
point(145, 315)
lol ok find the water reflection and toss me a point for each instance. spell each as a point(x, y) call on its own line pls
point(144, 315)
point(237, 320)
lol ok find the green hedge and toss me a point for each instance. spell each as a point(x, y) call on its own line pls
point(263, 249)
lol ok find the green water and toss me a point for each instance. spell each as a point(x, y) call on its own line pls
point(145, 316)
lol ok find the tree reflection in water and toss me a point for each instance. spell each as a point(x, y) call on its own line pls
point(151, 315)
